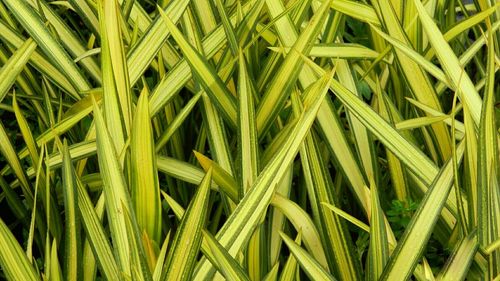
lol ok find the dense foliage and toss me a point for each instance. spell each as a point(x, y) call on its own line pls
point(249, 140)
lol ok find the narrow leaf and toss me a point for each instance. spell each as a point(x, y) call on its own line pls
point(72, 257)
point(458, 264)
point(14, 66)
point(13, 260)
point(411, 246)
point(181, 258)
point(115, 191)
point(309, 265)
point(33, 24)
point(224, 262)
point(213, 85)
point(145, 187)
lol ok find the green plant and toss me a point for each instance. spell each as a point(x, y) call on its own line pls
point(249, 140)
point(400, 215)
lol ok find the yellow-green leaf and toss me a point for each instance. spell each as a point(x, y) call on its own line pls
point(185, 247)
point(145, 189)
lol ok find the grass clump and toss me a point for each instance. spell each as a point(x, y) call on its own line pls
point(249, 140)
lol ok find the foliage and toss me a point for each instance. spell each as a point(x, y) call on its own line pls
point(400, 214)
point(249, 140)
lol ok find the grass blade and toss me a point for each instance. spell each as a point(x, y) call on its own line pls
point(10, 155)
point(459, 262)
point(379, 246)
point(33, 24)
point(410, 248)
point(161, 259)
point(224, 262)
point(207, 76)
point(88, 257)
point(416, 78)
point(249, 165)
point(180, 261)
point(303, 223)
point(290, 268)
point(337, 50)
point(116, 88)
point(55, 268)
point(451, 65)
point(240, 225)
point(248, 134)
point(14, 262)
point(72, 256)
point(488, 161)
point(357, 10)
point(279, 89)
point(177, 122)
point(14, 66)
point(309, 265)
point(141, 55)
point(115, 191)
point(43, 65)
point(68, 38)
point(223, 179)
point(228, 28)
point(145, 187)
point(97, 236)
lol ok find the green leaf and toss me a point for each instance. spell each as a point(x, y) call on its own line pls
point(411, 246)
point(273, 274)
point(290, 268)
point(411, 156)
point(72, 256)
point(88, 257)
point(248, 144)
point(279, 89)
point(228, 28)
point(458, 264)
point(33, 24)
point(138, 263)
point(419, 122)
point(303, 223)
point(336, 50)
point(12, 159)
point(141, 55)
point(379, 246)
point(356, 10)
point(418, 81)
point(488, 212)
point(97, 237)
point(452, 67)
point(68, 38)
point(39, 62)
point(180, 74)
point(207, 76)
point(224, 262)
point(223, 179)
point(161, 259)
point(13, 67)
point(145, 187)
point(116, 87)
point(13, 260)
point(240, 225)
point(177, 122)
point(335, 237)
point(187, 240)
point(347, 216)
point(308, 264)
point(55, 268)
point(416, 57)
point(115, 191)
point(182, 170)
